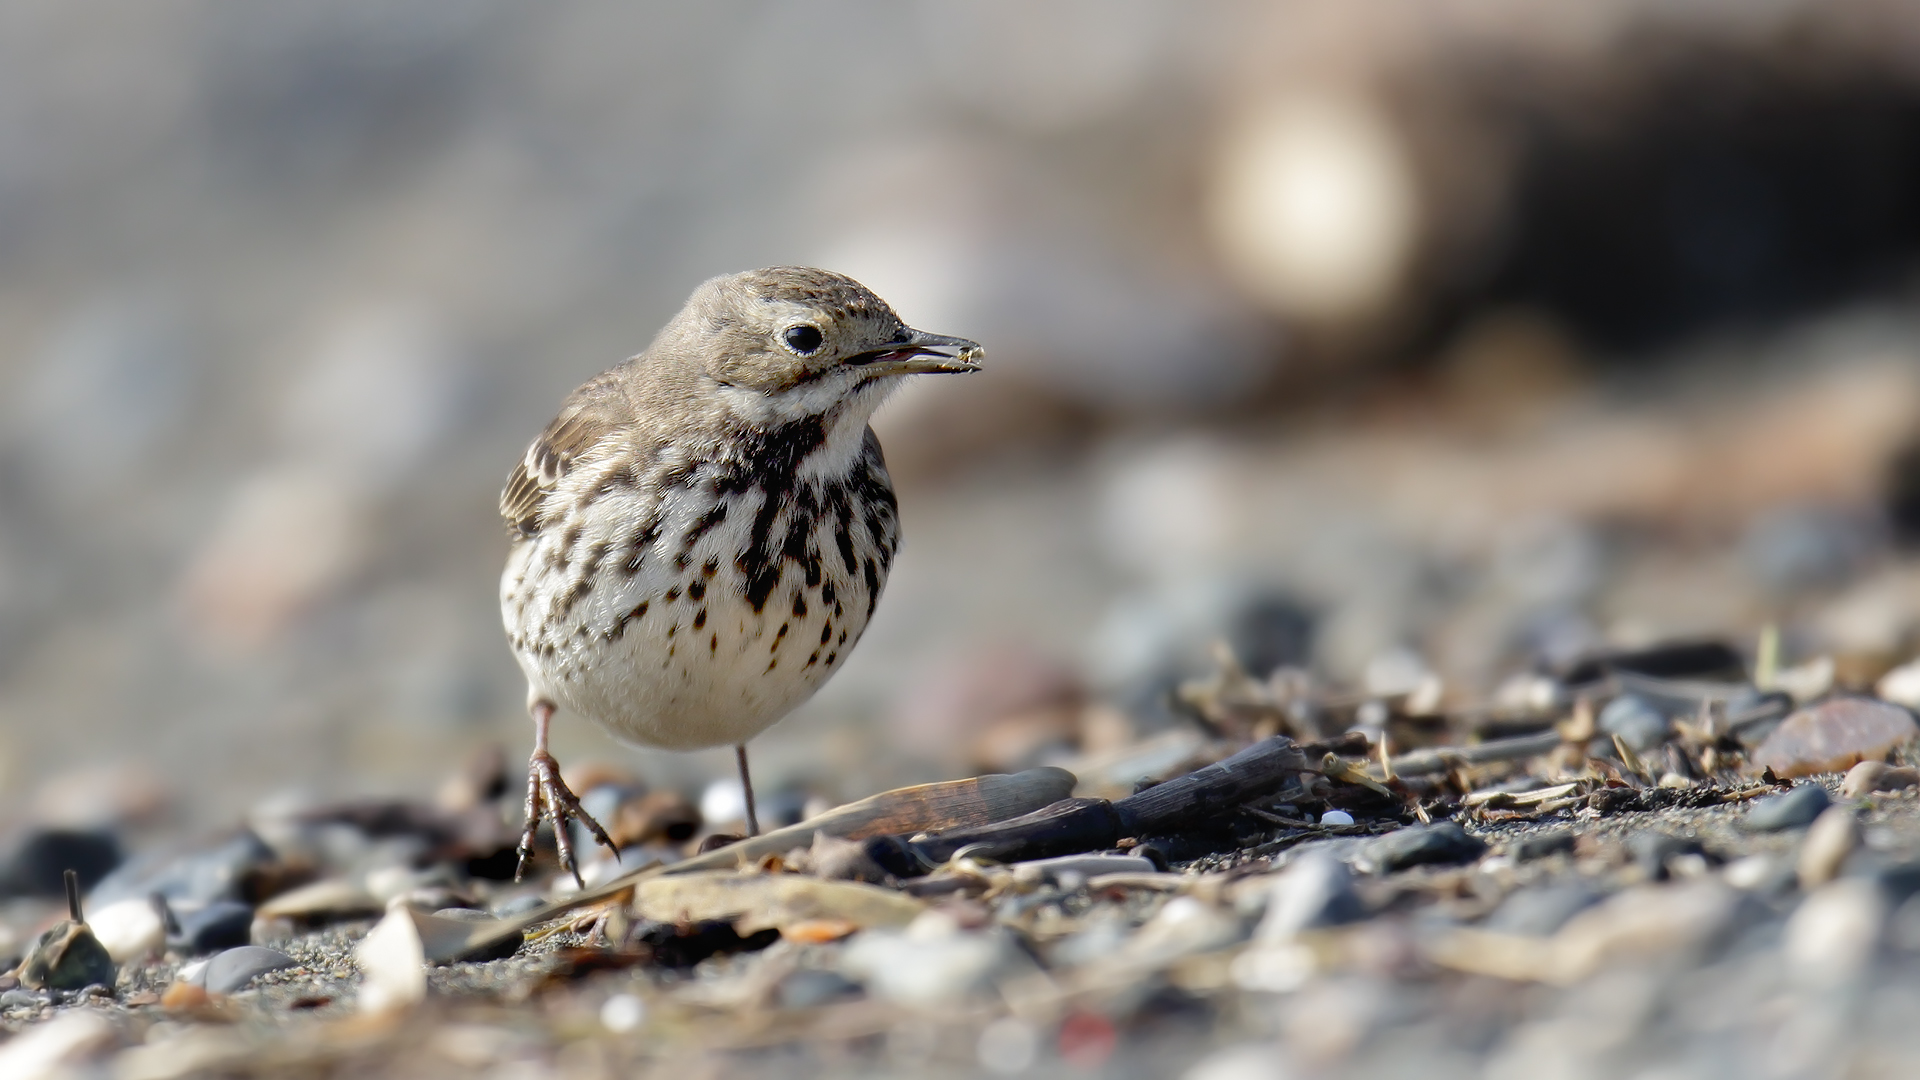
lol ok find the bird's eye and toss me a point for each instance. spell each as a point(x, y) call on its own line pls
point(803, 339)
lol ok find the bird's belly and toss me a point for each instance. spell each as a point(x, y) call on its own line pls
point(676, 654)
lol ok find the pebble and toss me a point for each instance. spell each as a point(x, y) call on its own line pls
point(230, 971)
point(1901, 685)
point(1831, 838)
point(811, 987)
point(1834, 735)
point(1641, 922)
point(1443, 843)
point(191, 878)
point(34, 863)
point(57, 1048)
point(1186, 925)
point(223, 924)
point(129, 929)
point(1789, 811)
point(1541, 911)
point(1652, 852)
point(1314, 890)
point(622, 1013)
point(1541, 845)
point(1638, 723)
point(18, 999)
point(1871, 776)
point(1832, 936)
point(924, 967)
point(1336, 817)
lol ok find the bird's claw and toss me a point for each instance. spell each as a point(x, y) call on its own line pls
point(549, 798)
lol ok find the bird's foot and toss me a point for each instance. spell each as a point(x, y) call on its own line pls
point(548, 798)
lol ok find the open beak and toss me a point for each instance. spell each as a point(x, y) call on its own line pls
point(917, 353)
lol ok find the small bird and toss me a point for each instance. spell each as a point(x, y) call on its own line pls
point(701, 535)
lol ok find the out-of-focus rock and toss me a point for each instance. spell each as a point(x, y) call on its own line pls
point(33, 864)
point(1871, 776)
point(1642, 922)
point(230, 971)
point(1833, 736)
point(128, 929)
point(1833, 935)
point(56, 1049)
point(1832, 837)
point(1901, 685)
point(1638, 723)
point(1807, 682)
point(1541, 911)
point(1792, 810)
point(222, 924)
point(839, 859)
point(655, 817)
point(225, 870)
point(1316, 889)
point(931, 962)
point(1443, 843)
point(1068, 869)
point(1186, 925)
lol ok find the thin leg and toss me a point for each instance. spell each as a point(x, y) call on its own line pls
point(549, 798)
point(746, 785)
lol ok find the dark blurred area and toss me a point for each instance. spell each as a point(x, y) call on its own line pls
point(1400, 343)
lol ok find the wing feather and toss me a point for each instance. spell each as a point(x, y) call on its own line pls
point(590, 416)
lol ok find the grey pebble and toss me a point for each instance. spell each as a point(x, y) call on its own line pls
point(1638, 723)
point(808, 987)
point(229, 971)
point(1793, 810)
point(1541, 845)
point(1443, 843)
point(14, 999)
point(223, 924)
point(191, 877)
point(1540, 911)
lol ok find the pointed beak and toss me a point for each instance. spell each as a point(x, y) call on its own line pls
point(917, 352)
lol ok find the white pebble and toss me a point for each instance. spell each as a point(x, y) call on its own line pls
point(129, 929)
point(723, 802)
point(622, 1013)
point(1008, 1046)
point(1834, 933)
point(1336, 817)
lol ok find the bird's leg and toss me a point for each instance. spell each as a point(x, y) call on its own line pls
point(548, 797)
point(746, 786)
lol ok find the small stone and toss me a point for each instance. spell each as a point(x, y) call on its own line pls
point(1901, 685)
point(191, 878)
point(622, 1013)
point(1186, 925)
point(1833, 736)
point(1638, 723)
point(1789, 811)
point(1336, 817)
point(1314, 890)
point(129, 929)
point(839, 859)
point(809, 987)
point(67, 957)
point(1832, 837)
point(230, 971)
point(924, 966)
point(56, 1048)
point(34, 863)
point(1541, 845)
point(1653, 850)
point(223, 924)
point(1541, 911)
point(1646, 921)
point(1832, 936)
point(1443, 843)
point(1871, 776)
point(20, 999)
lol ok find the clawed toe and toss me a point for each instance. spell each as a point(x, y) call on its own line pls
point(548, 798)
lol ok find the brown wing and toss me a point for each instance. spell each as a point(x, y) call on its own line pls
point(590, 415)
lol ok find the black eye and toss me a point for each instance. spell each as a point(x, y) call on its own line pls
point(802, 339)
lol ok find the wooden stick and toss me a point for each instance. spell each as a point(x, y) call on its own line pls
point(951, 804)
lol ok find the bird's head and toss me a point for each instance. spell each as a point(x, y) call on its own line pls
point(793, 341)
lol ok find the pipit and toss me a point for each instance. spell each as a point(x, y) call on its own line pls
point(702, 534)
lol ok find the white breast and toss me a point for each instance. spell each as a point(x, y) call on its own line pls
point(652, 633)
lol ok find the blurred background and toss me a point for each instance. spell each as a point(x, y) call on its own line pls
point(1406, 343)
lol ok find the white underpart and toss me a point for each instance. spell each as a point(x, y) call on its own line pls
point(659, 680)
